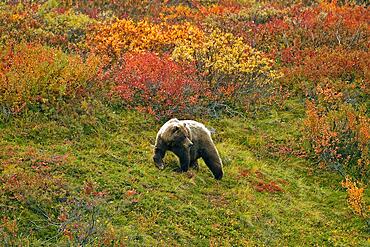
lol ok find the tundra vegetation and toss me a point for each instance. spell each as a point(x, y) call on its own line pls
point(85, 85)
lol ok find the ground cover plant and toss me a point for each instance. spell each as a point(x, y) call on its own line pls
point(283, 86)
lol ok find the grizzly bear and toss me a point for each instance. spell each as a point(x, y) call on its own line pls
point(189, 140)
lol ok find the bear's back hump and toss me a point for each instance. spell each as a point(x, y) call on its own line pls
point(196, 127)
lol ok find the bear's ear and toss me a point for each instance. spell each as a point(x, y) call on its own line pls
point(175, 128)
point(173, 120)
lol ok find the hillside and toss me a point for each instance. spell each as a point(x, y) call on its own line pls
point(96, 183)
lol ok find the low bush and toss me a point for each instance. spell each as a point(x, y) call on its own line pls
point(46, 23)
point(156, 85)
point(65, 29)
point(35, 77)
point(340, 139)
point(236, 74)
point(355, 197)
point(310, 70)
point(272, 28)
point(122, 36)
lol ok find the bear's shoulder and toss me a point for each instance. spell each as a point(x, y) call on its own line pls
point(193, 126)
point(196, 126)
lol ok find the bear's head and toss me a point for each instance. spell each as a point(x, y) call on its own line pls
point(177, 134)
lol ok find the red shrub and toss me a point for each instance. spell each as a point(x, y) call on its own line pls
point(272, 28)
point(158, 86)
point(315, 68)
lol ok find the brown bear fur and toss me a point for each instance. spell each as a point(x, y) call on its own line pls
point(189, 140)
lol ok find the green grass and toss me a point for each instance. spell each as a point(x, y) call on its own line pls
point(143, 206)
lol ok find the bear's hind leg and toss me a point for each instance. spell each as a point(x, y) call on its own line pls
point(213, 161)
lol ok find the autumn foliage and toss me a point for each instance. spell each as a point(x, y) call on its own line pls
point(181, 58)
point(126, 35)
point(339, 139)
point(355, 197)
point(170, 58)
point(184, 57)
point(236, 74)
point(36, 77)
point(48, 23)
point(155, 85)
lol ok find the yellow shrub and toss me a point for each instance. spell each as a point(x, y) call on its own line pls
point(223, 55)
point(226, 64)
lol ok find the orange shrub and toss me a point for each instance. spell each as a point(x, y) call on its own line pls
point(36, 77)
point(337, 83)
point(355, 196)
point(178, 13)
point(343, 72)
point(339, 138)
point(329, 24)
point(126, 35)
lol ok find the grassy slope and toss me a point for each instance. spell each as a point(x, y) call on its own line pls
point(189, 209)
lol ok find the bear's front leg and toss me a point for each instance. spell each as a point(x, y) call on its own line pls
point(158, 157)
point(184, 156)
point(194, 164)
